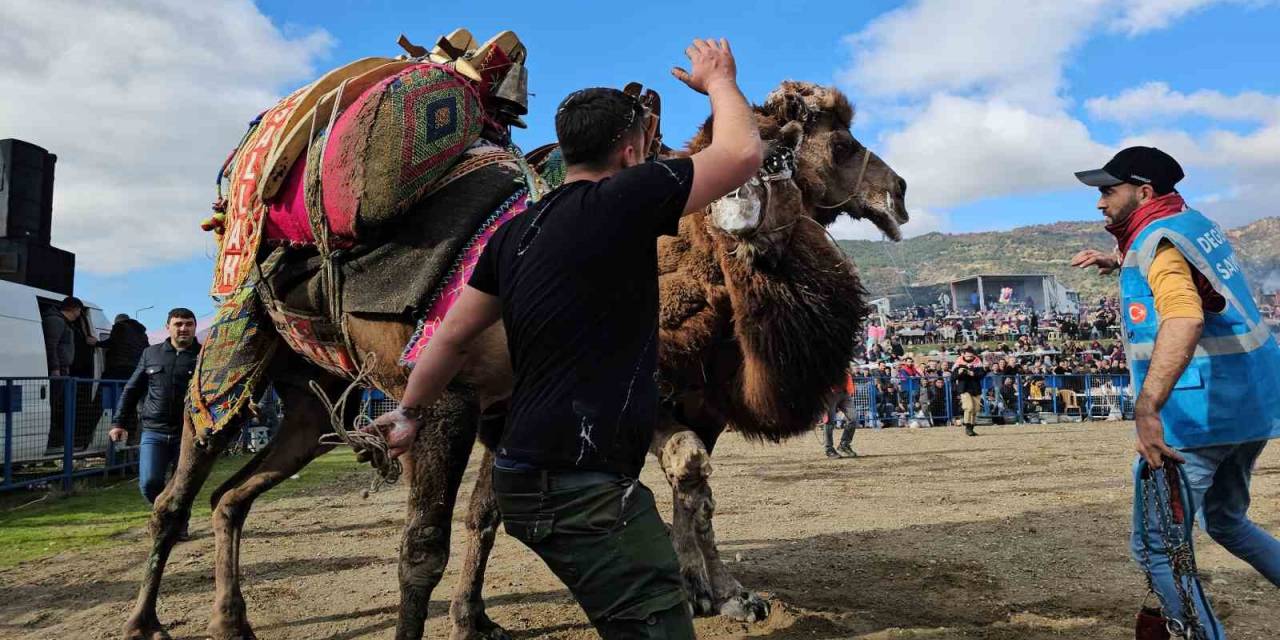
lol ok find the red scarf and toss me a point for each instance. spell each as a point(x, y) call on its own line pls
point(1156, 208)
point(1162, 207)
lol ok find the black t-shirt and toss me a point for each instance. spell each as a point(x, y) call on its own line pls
point(578, 278)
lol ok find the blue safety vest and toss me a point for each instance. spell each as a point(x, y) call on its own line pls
point(1230, 391)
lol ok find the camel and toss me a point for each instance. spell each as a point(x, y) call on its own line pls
point(759, 312)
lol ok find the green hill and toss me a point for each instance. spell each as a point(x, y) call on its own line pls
point(923, 262)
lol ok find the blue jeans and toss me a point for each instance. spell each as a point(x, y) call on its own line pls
point(1219, 481)
point(157, 452)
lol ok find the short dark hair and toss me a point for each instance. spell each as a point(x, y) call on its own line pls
point(180, 312)
point(590, 123)
point(71, 303)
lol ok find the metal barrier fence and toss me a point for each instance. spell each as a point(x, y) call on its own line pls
point(919, 401)
point(55, 430)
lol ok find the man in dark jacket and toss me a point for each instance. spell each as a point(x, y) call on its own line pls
point(63, 330)
point(967, 375)
point(124, 348)
point(59, 337)
point(162, 375)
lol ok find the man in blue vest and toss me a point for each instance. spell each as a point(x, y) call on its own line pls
point(1207, 367)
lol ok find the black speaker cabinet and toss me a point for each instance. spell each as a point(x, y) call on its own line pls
point(37, 265)
point(26, 191)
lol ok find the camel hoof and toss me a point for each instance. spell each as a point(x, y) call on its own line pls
point(699, 596)
point(231, 631)
point(482, 628)
point(145, 628)
point(745, 607)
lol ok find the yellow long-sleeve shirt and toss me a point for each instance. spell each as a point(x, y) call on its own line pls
point(1171, 283)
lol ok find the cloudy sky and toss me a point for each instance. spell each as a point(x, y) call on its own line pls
point(985, 107)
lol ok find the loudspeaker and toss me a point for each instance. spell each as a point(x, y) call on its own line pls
point(37, 265)
point(26, 191)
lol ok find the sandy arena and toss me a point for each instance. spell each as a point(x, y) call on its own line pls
point(1020, 533)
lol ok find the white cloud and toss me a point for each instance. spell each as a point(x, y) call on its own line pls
point(1141, 16)
point(141, 101)
point(959, 150)
point(1155, 100)
point(984, 111)
point(1011, 49)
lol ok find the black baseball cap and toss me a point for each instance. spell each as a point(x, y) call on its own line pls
point(1136, 165)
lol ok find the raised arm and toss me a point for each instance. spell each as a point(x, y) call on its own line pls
point(735, 152)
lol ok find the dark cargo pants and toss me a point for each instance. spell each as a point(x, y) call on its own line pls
point(600, 533)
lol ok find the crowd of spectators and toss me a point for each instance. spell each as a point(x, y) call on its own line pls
point(1032, 363)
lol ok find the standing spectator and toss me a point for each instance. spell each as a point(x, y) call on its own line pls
point(967, 375)
point(59, 337)
point(1034, 320)
point(162, 375)
point(895, 346)
point(941, 409)
point(840, 413)
point(124, 347)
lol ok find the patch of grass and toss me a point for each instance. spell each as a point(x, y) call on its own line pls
point(99, 516)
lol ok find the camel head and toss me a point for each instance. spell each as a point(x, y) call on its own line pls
point(758, 217)
point(835, 172)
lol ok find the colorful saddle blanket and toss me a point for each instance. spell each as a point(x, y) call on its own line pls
point(448, 292)
point(384, 152)
point(548, 166)
point(231, 363)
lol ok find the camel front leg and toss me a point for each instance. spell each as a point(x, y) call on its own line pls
point(712, 587)
point(470, 622)
point(170, 512)
point(439, 458)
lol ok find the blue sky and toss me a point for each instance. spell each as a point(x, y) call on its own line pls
point(984, 107)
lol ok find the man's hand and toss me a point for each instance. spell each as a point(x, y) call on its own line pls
point(91, 341)
point(1105, 262)
point(712, 62)
point(117, 434)
point(1151, 439)
point(399, 428)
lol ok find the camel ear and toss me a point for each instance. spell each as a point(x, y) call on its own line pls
point(792, 135)
point(786, 105)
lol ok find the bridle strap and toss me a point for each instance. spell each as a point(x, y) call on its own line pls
point(862, 171)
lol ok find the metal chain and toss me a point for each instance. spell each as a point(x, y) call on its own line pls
point(1177, 547)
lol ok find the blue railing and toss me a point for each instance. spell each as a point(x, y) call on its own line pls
point(925, 401)
point(55, 431)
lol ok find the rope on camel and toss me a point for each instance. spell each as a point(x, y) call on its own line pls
point(386, 469)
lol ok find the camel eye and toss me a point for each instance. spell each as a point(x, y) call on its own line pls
point(843, 149)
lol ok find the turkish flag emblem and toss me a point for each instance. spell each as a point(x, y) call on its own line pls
point(1137, 312)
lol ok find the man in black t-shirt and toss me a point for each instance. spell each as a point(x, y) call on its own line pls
point(575, 282)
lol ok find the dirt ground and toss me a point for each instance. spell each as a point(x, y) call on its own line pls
point(1020, 533)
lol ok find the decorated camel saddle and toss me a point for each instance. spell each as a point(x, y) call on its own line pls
point(380, 146)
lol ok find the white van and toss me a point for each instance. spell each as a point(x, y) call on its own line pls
point(24, 369)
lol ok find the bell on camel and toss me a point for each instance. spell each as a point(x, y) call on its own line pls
point(513, 91)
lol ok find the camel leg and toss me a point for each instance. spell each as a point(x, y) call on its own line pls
point(466, 612)
point(439, 458)
point(171, 510)
point(295, 445)
point(712, 587)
